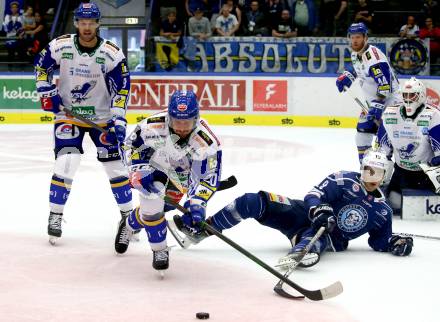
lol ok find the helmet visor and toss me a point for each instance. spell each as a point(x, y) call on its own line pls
point(182, 127)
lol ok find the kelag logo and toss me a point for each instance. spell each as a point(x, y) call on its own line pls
point(432, 209)
point(270, 95)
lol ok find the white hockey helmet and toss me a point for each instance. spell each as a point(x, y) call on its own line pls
point(373, 166)
point(414, 95)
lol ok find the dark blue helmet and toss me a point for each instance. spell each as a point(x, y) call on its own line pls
point(357, 28)
point(183, 105)
point(87, 11)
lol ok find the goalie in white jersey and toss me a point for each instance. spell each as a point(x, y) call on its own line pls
point(411, 133)
point(94, 81)
point(171, 153)
point(377, 80)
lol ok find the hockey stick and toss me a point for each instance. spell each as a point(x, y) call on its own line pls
point(278, 288)
point(314, 295)
point(357, 100)
point(182, 241)
point(68, 111)
point(419, 236)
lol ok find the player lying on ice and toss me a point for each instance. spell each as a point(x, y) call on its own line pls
point(170, 153)
point(347, 204)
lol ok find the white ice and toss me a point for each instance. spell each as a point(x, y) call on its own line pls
point(81, 279)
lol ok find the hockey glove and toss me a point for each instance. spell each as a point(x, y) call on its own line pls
point(196, 213)
point(151, 182)
point(400, 245)
point(375, 111)
point(345, 80)
point(50, 100)
point(323, 216)
point(117, 128)
point(435, 161)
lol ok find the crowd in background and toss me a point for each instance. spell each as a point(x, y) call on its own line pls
point(24, 29)
point(296, 18)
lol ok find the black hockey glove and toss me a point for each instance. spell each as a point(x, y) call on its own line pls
point(400, 245)
point(323, 216)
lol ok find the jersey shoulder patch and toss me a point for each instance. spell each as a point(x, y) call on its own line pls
point(156, 119)
point(67, 36)
point(205, 137)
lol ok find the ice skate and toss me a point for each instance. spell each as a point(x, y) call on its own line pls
point(54, 227)
point(123, 236)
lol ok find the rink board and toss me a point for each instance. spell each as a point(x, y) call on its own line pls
point(422, 205)
point(277, 100)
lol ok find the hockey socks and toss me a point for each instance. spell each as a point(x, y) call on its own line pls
point(155, 226)
point(122, 192)
point(59, 193)
point(247, 206)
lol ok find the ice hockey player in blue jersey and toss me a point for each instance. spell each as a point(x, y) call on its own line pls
point(93, 81)
point(377, 80)
point(347, 204)
point(172, 153)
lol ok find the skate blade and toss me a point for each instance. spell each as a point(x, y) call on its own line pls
point(53, 240)
point(161, 274)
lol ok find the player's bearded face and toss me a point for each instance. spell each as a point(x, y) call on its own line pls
point(357, 42)
point(87, 29)
point(182, 127)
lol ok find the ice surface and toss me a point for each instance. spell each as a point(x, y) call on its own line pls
point(81, 279)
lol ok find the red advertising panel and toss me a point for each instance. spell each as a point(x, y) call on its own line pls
point(213, 95)
point(270, 95)
point(432, 98)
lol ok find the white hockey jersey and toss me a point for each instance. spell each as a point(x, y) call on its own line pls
point(193, 165)
point(95, 85)
point(410, 140)
point(376, 77)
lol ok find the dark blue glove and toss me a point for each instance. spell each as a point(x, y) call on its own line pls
point(400, 245)
point(50, 100)
point(435, 161)
point(345, 80)
point(152, 182)
point(323, 216)
point(117, 129)
point(376, 110)
point(196, 213)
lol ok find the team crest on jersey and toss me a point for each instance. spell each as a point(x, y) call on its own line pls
point(407, 151)
point(66, 131)
point(355, 187)
point(352, 218)
point(80, 92)
point(102, 139)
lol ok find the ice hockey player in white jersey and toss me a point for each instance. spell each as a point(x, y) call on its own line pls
point(170, 154)
point(411, 133)
point(94, 81)
point(377, 80)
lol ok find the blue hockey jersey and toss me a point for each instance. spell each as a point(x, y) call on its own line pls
point(356, 210)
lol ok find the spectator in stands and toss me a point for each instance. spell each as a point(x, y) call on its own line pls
point(285, 28)
point(363, 13)
point(226, 24)
point(199, 26)
point(165, 6)
point(234, 10)
point(431, 8)
point(40, 37)
point(410, 30)
point(192, 5)
point(170, 27)
point(304, 16)
point(273, 9)
point(334, 17)
point(433, 33)
point(29, 19)
point(255, 21)
point(13, 27)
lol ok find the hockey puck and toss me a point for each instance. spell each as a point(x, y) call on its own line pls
point(202, 315)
